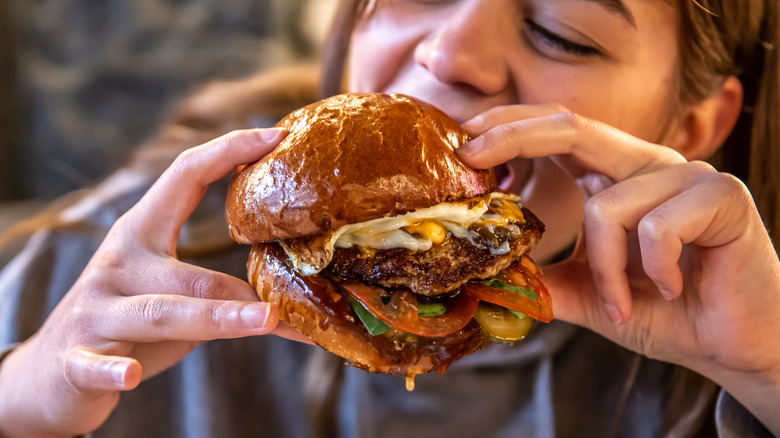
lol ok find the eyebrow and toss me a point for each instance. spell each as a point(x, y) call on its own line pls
point(617, 6)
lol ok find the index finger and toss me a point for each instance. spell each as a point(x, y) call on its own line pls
point(171, 200)
point(580, 144)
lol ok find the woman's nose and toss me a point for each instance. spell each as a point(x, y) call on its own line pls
point(467, 50)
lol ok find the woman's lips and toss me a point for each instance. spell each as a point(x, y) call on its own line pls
point(504, 175)
point(512, 175)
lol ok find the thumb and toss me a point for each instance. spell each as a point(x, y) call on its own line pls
point(89, 371)
point(570, 297)
point(575, 296)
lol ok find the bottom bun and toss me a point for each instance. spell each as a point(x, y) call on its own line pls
point(316, 308)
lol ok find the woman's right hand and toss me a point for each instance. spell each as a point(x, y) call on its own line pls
point(673, 260)
point(135, 310)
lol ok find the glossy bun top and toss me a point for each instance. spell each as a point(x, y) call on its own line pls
point(351, 158)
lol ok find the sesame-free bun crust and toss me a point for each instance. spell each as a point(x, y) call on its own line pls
point(315, 307)
point(348, 159)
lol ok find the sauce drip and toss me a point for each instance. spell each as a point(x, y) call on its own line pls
point(410, 382)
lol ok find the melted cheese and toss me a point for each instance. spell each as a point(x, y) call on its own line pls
point(418, 230)
point(503, 211)
point(510, 210)
point(429, 230)
point(393, 232)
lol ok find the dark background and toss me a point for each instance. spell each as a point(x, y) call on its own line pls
point(84, 82)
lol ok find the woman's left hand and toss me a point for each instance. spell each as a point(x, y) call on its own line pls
point(673, 260)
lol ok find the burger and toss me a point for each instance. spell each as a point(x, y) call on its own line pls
point(377, 243)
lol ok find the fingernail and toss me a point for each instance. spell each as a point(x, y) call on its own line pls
point(118, 373)
point(614, 313)
point(255, 315)
point(472, 147)
point(271, 135)
point(667, 294)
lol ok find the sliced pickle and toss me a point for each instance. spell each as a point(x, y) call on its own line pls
point(502, 324)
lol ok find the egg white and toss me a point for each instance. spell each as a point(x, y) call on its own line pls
point(388, 232)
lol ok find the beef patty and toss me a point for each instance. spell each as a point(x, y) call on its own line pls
point(484, 252)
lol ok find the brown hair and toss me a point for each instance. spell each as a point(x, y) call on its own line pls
point(722, 38)
point(739, 38)
point(336, 47)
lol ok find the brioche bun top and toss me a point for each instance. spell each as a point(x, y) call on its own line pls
point(351, 158)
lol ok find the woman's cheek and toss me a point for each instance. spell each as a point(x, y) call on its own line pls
point(380, 49)
point(365, 67)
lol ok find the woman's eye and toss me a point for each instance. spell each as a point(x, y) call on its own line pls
point(555, 41)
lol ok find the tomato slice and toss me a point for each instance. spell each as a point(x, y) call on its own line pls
point(401, 311)
point(523, 274)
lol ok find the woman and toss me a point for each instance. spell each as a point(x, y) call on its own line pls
point(572, 100)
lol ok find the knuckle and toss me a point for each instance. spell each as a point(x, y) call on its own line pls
point(201, 285)
point(87, 321)
point(233, 136)
point(98, 281)
point(104, 277)
point(572, 120)
point(183, 161)
point(658, 238)
point(578, 126)
point(653, 227)
point(733, 185)
point(153, 309)
point(208, 284)
point(567, 118)
point(558, 108)
point(111, 258)
point(725, 186)
point(217, 315)
point(600, 208)
point(700, 167)
point(506, 130)
point(81, 314)
point(662, 157)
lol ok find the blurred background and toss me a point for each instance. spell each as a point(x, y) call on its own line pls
point(85, 82)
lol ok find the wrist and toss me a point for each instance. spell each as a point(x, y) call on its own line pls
point(757, 391)
point(14, 420)
point(6, 422)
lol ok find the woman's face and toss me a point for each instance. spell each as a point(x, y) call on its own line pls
point(609, 60)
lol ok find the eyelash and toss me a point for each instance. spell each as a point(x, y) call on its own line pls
point(557, 42)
